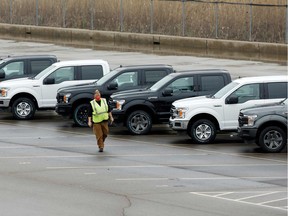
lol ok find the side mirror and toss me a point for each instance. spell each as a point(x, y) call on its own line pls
point(232, 100)
point(2, 74)
point(49, 81)
point(167, 92)
point(113, 86)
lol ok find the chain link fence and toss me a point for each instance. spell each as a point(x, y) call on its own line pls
point(245, 20)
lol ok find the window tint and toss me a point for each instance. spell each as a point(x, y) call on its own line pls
point(91, 72)
point(127, 80)
point(63, 74)
point(14, 69)
point(212, 83)
point(182, 84)
point(152, 76)
point(277, 90)
point(39, 65)
point(247, 92)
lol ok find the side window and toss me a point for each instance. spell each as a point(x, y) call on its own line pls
point(277, 90)
point(182, 84)
point(152, 76)
point(127, 80)
point(14, 69)
point(212, 83)
point(247, 92)
point(38, 65)
point(63, 74)
point(91, 72)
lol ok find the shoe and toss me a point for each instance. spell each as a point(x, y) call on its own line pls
point(100, 149)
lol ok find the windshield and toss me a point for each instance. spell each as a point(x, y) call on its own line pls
point(107, 77)
point(224, 90)
point(38, 76)
point(160, 83)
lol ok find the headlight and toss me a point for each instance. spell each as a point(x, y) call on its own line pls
point(66, 97)
point(118, 104)
point(4, 92)
point(181, 112)
point(250, 119)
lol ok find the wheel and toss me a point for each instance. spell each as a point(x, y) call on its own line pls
point(272, 139)
point(139, 122)
point(203, 131)
point(80, 115)
point(23, 109)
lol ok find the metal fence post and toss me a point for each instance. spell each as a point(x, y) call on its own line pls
point(151, 16)
point(37, 13)
point(92, 14)
point(63, 13)
point(250, 21)
point(216, 19)
point(11, 20)
point(121, 15)
point(183, 18)
point(286, 32)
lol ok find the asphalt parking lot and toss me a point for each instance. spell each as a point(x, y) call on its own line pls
point(50, 167)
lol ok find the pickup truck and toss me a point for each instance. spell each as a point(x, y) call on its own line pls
point(13, 67)
point(138, 110)
point(24, 96)
point(73, 102)
point(265, 125)
point(201, 117)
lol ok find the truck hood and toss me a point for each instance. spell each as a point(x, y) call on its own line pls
point(133, 94)
point(270, 108)
point(87, 87)
point(18, 82)
point(201, 100)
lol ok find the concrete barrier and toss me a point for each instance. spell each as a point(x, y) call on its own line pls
point(148, 42)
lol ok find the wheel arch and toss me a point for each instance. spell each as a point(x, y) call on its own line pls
point(142, 107)
point(24, 95)
point(270, 123)
point(204, 116)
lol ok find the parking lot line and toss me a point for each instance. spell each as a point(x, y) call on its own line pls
point(264, 204)
point(208, 178)
point(258, 195)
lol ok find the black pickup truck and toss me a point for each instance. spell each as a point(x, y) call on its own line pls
point(73, 102)
point(138, 110)
point(265, 125)
point(12, 67)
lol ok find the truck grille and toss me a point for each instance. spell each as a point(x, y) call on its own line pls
point(242, 119)
point(173, 112)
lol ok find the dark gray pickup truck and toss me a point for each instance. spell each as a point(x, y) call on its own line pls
point(265, 125)
point(12, 67)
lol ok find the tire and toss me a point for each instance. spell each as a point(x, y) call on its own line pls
point(272, 139)
point(202, 131)
point(80, 115)
point(139, 122)
point(23, 109)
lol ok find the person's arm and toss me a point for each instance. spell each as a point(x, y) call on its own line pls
point(111, 117)
point(90, 116)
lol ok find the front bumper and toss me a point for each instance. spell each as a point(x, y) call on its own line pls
point(247, 133)
point(178, 124)
point(4, 103)
point(64, 109)
point(119, 117)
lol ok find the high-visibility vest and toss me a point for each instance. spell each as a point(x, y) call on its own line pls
point(100, 113)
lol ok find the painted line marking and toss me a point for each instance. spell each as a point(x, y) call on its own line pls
point(259, 195)
point(272, 201)
point(166, 165)
point(206, 194)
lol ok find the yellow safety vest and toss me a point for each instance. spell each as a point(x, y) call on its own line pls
point(100, 113)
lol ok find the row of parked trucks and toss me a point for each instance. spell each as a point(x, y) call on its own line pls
point(199, 102)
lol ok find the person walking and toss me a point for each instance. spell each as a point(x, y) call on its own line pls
point(98, 116)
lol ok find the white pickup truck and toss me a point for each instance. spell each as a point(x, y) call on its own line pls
point(201, 117)
point(26, 95)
